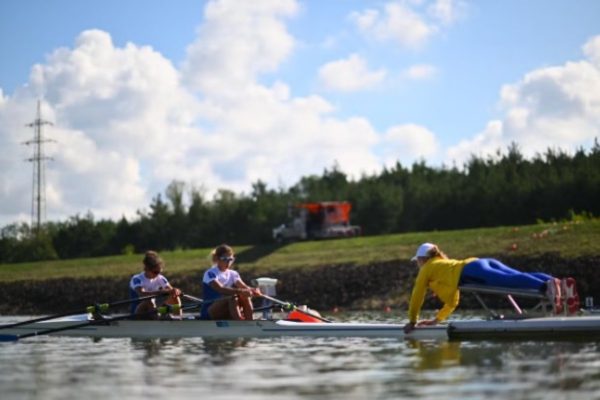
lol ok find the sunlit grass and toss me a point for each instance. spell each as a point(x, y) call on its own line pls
point(570, 239)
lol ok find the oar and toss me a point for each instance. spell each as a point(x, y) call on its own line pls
point(89, 309)
point(192, 298)
point(202, 301)
point(174, 308)
point(288, 306)
point(264, 308)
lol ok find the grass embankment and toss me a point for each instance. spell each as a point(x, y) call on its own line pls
point(568, 240)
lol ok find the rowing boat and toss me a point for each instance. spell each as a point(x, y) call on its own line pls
point(530, 328)
point(222, 329)
point(522, 325)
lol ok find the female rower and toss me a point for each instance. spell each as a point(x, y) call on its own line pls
point(443, 276)
point(226, 296)
point(150, 282)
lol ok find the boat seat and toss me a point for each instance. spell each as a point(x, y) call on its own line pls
point(476, 290)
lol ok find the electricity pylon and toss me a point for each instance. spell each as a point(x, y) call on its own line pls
point(38, 195)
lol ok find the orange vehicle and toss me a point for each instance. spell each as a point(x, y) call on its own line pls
point(317, 220)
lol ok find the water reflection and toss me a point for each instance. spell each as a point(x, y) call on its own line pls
point(215, 351)
point(294, 367)
point(356, 367)
point(435, 354)
point(221, 351)
point(150, 347)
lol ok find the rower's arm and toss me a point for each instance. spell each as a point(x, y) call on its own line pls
point(448, 308)
point(142, 292)
point(226, 290)
point(242, 285)
point(417, 297)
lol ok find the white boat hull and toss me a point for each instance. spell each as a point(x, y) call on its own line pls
point(225, 329)
point(547, 327)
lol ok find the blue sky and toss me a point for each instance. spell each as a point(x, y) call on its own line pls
point(222, 93)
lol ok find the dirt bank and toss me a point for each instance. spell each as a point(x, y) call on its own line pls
point(345, 286)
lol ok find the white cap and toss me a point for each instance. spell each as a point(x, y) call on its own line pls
point(423, 250)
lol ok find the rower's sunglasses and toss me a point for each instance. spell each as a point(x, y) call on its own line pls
point(228, 259)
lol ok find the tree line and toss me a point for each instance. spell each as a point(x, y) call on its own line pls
point(504, 189)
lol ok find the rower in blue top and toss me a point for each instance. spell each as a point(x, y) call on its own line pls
point(226, 296)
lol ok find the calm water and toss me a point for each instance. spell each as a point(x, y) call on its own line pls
point(297, 368)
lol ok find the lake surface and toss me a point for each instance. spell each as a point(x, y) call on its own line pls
point(49, 367)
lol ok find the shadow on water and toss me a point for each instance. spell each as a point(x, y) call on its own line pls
point(255, 253)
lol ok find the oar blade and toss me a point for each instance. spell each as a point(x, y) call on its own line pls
point(8, 338)
point(89, 309)
point(289, 307)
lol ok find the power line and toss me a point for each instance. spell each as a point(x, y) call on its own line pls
point(38, 193)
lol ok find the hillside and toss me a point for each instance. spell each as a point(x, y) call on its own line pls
point(568, 240)
point(363, 273)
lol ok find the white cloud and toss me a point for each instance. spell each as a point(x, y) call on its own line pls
point(550, 107)
point(420, 72)
point(397, 22)
point(447, 11)
point(127, 125)
point(128, 121)
point(408, 142)
point(408, 23)
point(239, 40)
point(349, 75)
point(264, 132)
point(485, 143)
point(114, 111)
point(592, 50)
point(15, 173)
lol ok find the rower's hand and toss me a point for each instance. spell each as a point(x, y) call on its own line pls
point(246, 292)
point(175, 292)
point(408, 328)
point(256, 291)
point(428, 322)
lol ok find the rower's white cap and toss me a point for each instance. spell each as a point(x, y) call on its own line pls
point(423, 250)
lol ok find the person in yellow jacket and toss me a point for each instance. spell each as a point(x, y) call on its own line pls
point(444, 275)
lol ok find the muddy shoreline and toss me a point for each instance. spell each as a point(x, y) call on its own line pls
point(344, 286)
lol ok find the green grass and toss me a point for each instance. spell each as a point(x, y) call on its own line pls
point(569, 239)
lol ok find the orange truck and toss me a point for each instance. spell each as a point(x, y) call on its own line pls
point(317, 220)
